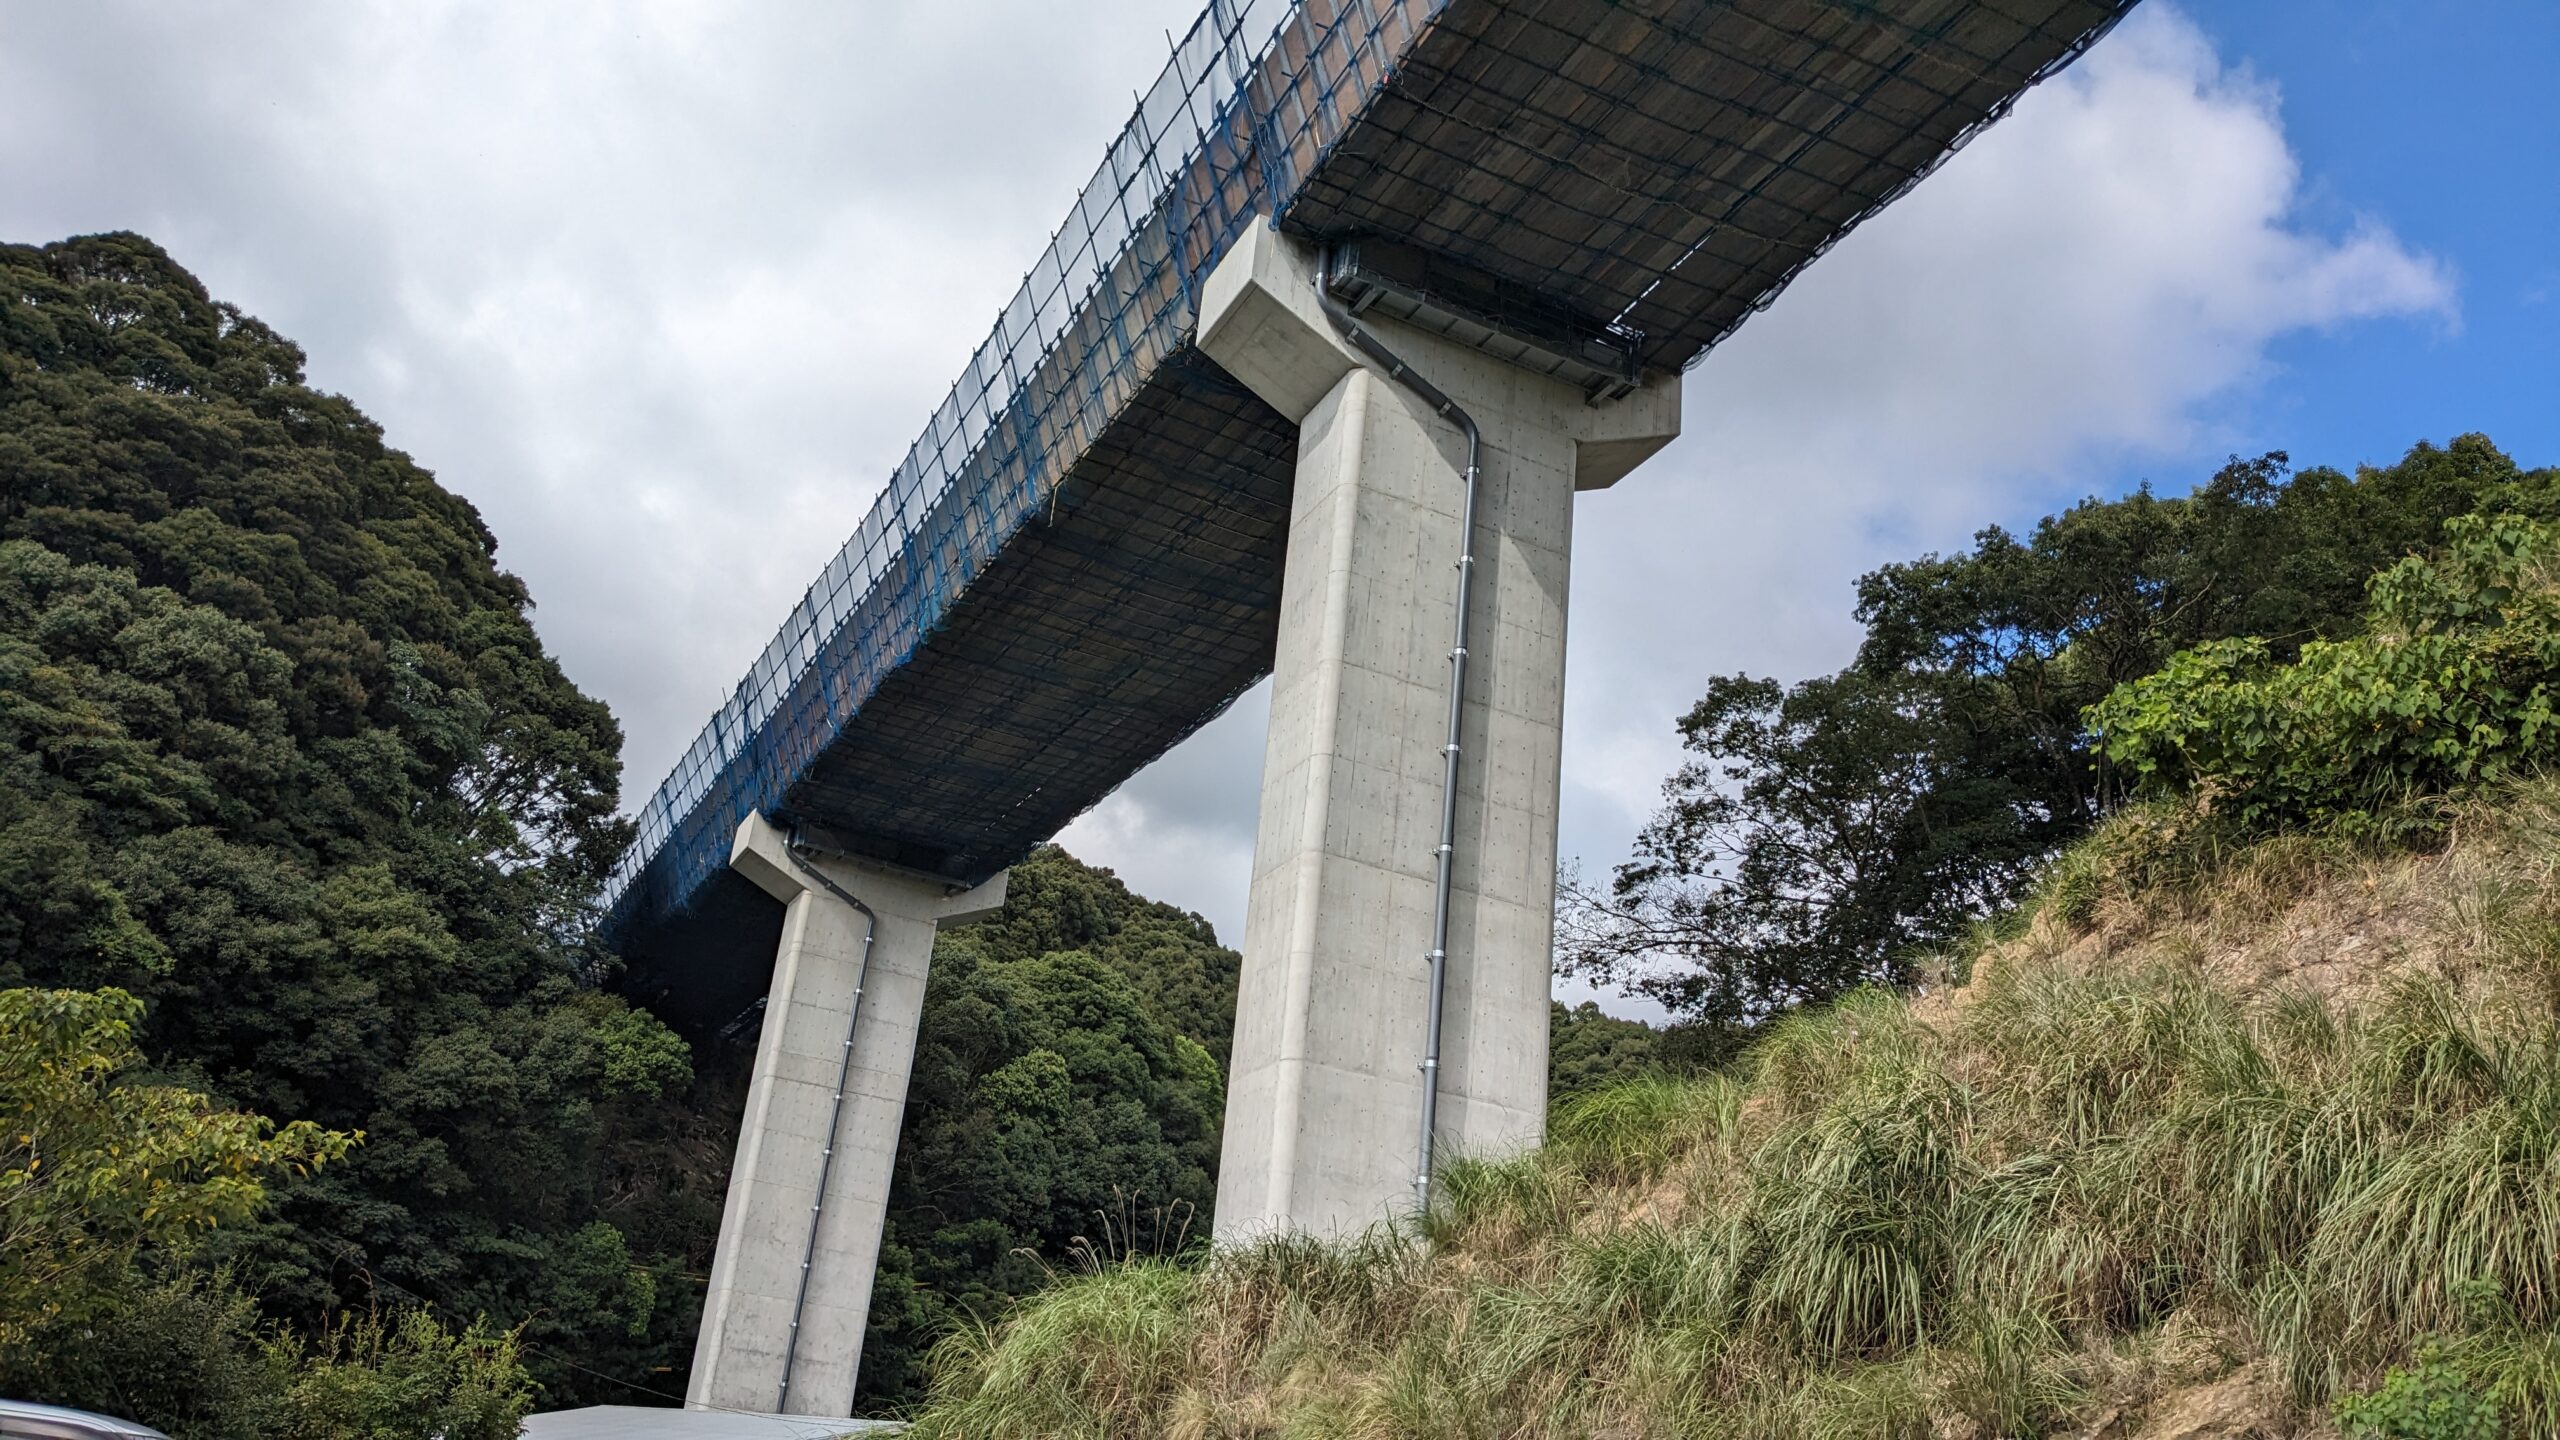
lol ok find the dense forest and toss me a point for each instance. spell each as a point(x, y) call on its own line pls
point(288, 766)
point(286, 763)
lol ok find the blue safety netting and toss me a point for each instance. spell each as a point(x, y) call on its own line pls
point(1252, 98)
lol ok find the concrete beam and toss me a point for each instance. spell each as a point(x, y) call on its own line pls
point(1259, 319)
point(848, 990)
point(1324, 1094)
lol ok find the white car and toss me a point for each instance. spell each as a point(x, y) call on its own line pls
point(25, 1420)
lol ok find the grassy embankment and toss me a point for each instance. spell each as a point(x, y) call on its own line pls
point(2202, 1139)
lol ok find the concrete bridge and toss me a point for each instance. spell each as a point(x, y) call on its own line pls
point(1304, 387)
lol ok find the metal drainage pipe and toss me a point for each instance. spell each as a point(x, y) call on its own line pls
point(1448, 409)
point(803, 858)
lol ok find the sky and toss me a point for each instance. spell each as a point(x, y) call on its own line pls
point(667, 289)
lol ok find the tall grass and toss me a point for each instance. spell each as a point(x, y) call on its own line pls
point(1093, 1355)
point(2120, 1161)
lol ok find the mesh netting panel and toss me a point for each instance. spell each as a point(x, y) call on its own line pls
point(1662, 168)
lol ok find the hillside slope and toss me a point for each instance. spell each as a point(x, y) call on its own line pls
point(282, 756)
point(2202, 1145)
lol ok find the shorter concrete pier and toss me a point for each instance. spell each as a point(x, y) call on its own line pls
point(800, 1235)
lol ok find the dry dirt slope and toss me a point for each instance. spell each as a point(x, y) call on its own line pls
point(2208, 1141)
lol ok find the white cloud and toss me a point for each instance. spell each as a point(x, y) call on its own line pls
point(667, 289)
point(2089, 284)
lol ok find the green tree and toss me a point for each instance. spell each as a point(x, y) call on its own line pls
point(1589, 1049)
point(1067, 1088)
point(2453, 680)
point(1170, 956)
point(94, 1167)
point(109, 1182)
point(1822, 833)
point(281, 756)
point(1815, 834)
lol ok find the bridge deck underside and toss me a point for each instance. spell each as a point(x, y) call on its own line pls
point(1668, 167)
point(1103, 576)
point(1134, 609)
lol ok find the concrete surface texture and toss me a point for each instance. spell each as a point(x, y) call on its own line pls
point(821, 974)
point(1325, 1090)
point(633, 1422)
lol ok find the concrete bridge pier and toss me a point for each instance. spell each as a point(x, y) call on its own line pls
point(1325, 1093)
point(800, 1233)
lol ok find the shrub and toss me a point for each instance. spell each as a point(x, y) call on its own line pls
point(404, 1377)
point(189, 1354)
point(185, 1355)
point(2432, 1400)
point(2453, 681)
point(94, 1168)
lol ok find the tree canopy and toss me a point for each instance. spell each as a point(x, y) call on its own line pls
point(1589, 1049)
point(92, 1170)
point(2452, 681)
point(1821, 834)
point(281, 756)
point(1068, 1088)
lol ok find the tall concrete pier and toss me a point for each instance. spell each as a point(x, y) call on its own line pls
point(1325, 1093)
point(800, 1234)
